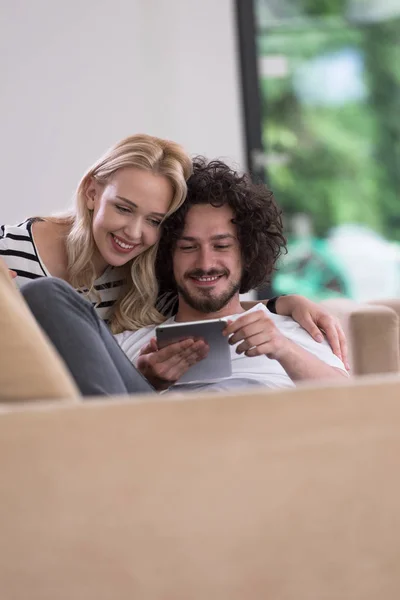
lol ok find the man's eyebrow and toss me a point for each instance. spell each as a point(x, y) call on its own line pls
point(187, 238)
point(162, 215)
point(223, 236)
point(214, 238)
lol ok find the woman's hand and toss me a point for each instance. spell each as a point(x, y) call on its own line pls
point(316, 320)
point(162, 368)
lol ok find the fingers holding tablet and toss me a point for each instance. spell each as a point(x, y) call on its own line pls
point(163, 367)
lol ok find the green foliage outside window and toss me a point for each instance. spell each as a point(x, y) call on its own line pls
point(336, 161)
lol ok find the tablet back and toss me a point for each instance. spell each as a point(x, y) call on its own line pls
point(217, 364)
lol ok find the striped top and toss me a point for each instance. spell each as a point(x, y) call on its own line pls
point(19, 252)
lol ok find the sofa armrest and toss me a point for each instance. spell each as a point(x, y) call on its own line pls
point(372, 332)
point(393, 303)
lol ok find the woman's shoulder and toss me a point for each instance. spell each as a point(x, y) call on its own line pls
point(13, 236)
point(48, 229)
point(49, 237)
point(23, 232)
point(31, 232)
point(18, 251)
point(16, 228)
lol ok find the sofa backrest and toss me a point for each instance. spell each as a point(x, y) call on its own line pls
point(290, 495)
point(372, 333)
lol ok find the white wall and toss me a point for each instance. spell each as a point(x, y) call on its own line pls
point(78, 75)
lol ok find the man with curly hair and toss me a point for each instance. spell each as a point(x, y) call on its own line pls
point(225, 240)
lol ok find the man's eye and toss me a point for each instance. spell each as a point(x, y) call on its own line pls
point(186, 248)
point(122, 209)
point(222, 246)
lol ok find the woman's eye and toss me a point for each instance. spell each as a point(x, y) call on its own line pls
point(186, 248)
point(123, 209)
point(155, 222)
point(220, 247)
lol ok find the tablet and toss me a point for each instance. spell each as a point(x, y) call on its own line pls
point(217, 363)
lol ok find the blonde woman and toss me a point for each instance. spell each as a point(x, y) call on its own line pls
point(106, 246)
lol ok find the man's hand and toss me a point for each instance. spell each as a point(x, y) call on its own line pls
point(162, 368)
point(12, 274)
point(316, 320)
point(258, 335)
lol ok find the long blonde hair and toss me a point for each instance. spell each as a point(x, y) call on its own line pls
point(135, 308)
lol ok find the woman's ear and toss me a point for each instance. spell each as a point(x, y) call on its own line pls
point(91, 193)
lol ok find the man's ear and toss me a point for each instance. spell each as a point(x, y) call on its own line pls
point(91, 192)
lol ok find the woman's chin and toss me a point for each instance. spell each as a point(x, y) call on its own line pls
point(119, 260)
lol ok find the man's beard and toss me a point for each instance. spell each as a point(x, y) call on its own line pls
point(205, 302)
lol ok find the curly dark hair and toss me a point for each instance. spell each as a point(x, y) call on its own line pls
point(256, 216)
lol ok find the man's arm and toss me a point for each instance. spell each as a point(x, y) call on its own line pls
point(315, 319)
point(300, 364)
point(256, 334)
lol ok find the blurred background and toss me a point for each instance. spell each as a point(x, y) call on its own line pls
point(326, 95)
point(304, 93)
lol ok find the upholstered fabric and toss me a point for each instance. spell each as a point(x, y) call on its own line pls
point(393, 303)
point(30, 368)
point(372, 331)
point(290, 495)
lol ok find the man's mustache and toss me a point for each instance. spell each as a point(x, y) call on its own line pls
point(201, 273)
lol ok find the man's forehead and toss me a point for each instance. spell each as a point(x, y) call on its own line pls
point(207, 220)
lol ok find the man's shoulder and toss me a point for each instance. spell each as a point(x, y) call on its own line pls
point(257, 306)
point(279, 320)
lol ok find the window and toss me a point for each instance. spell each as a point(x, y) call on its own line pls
point(327, 139)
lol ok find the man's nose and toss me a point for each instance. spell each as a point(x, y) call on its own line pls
point(205, 259)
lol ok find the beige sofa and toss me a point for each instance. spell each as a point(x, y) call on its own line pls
point(289, 495)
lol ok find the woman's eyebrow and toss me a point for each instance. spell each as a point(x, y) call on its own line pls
point(162, 215)
point(126, 200)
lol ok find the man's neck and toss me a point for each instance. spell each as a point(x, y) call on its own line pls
point(187, 313)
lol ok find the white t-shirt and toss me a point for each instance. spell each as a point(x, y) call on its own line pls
point(246, 371)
